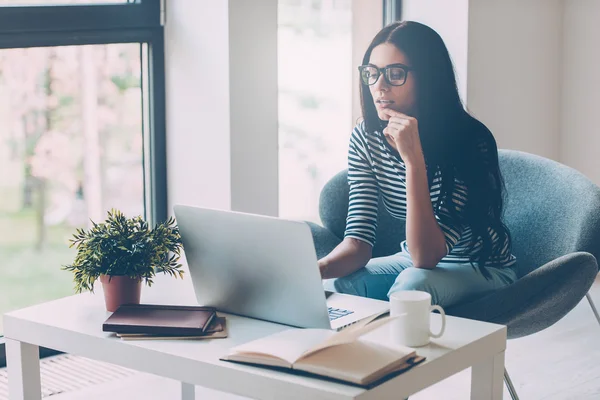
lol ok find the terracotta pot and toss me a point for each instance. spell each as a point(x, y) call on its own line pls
point(120, 290)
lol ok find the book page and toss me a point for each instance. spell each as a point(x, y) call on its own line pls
point(359, 362)
point(351, 334)
point(286, 345)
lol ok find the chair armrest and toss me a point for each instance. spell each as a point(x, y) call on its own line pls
point(537, 300)
point(324, 239)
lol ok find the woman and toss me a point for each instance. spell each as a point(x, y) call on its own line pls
point(434, 166)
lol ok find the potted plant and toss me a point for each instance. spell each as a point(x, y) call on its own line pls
point(122, 252)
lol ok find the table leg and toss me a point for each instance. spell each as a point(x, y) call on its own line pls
point(486, 379)
point(23, 367)
point(187, 391)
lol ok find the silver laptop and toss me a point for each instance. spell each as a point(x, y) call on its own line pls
point(263, 267)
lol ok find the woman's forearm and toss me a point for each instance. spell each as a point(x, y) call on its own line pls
point(424, 236)
point(347, 257)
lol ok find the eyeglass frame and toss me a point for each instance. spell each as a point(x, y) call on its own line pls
point(383, 71)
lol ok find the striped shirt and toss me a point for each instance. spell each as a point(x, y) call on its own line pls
point(374, 171)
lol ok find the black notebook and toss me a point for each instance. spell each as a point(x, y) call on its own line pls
point(160, 319)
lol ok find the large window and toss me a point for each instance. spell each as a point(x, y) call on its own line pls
point(81, 132)
point(315, 100)
point(320, 44)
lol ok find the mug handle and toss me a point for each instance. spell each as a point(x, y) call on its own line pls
point(441, 310)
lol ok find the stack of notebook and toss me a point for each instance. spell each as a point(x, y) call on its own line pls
point(150, 321)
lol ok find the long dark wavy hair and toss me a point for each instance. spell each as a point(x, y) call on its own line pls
point(455, 144)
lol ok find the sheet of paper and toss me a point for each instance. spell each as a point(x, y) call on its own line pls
point(350, 335)
point(287, 345)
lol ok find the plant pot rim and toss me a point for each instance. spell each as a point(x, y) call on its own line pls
point(139, 278)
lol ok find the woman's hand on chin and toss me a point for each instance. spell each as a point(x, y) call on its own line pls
point(402, 133)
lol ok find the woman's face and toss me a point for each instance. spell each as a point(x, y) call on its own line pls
point(398, 98)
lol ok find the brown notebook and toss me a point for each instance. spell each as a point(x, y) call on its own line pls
point(160, 319)
point(216, 330)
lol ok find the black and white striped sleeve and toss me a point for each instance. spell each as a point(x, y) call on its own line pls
point(361, 222)
point(451, 224)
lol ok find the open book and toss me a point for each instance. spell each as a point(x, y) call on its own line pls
point(338, 355)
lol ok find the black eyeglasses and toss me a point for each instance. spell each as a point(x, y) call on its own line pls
point(394, 75)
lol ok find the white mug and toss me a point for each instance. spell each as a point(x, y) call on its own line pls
point(413, 308)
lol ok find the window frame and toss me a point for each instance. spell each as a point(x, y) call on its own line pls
point(392, 11)
point(137, 21)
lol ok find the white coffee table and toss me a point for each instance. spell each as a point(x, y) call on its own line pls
point(73, 325)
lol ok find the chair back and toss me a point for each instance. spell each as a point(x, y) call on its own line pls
point(551, 210)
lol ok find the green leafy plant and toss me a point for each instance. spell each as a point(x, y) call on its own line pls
point(125, 246)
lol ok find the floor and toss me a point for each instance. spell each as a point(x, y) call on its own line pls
point(560, 363)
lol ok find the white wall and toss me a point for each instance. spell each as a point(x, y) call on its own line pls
point(197, 83)
point(580, 133)
point(449, 18)
point(507, 56)
point(221, 78)
point(514, 79)
point(253, 100)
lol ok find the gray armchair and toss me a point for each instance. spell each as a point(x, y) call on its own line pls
point(553, 214)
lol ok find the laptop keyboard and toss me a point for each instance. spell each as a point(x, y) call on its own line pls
point(335, 313)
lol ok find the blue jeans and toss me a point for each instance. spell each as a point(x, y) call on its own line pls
point(448, 283)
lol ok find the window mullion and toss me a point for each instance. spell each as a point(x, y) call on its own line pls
point(392, 11)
